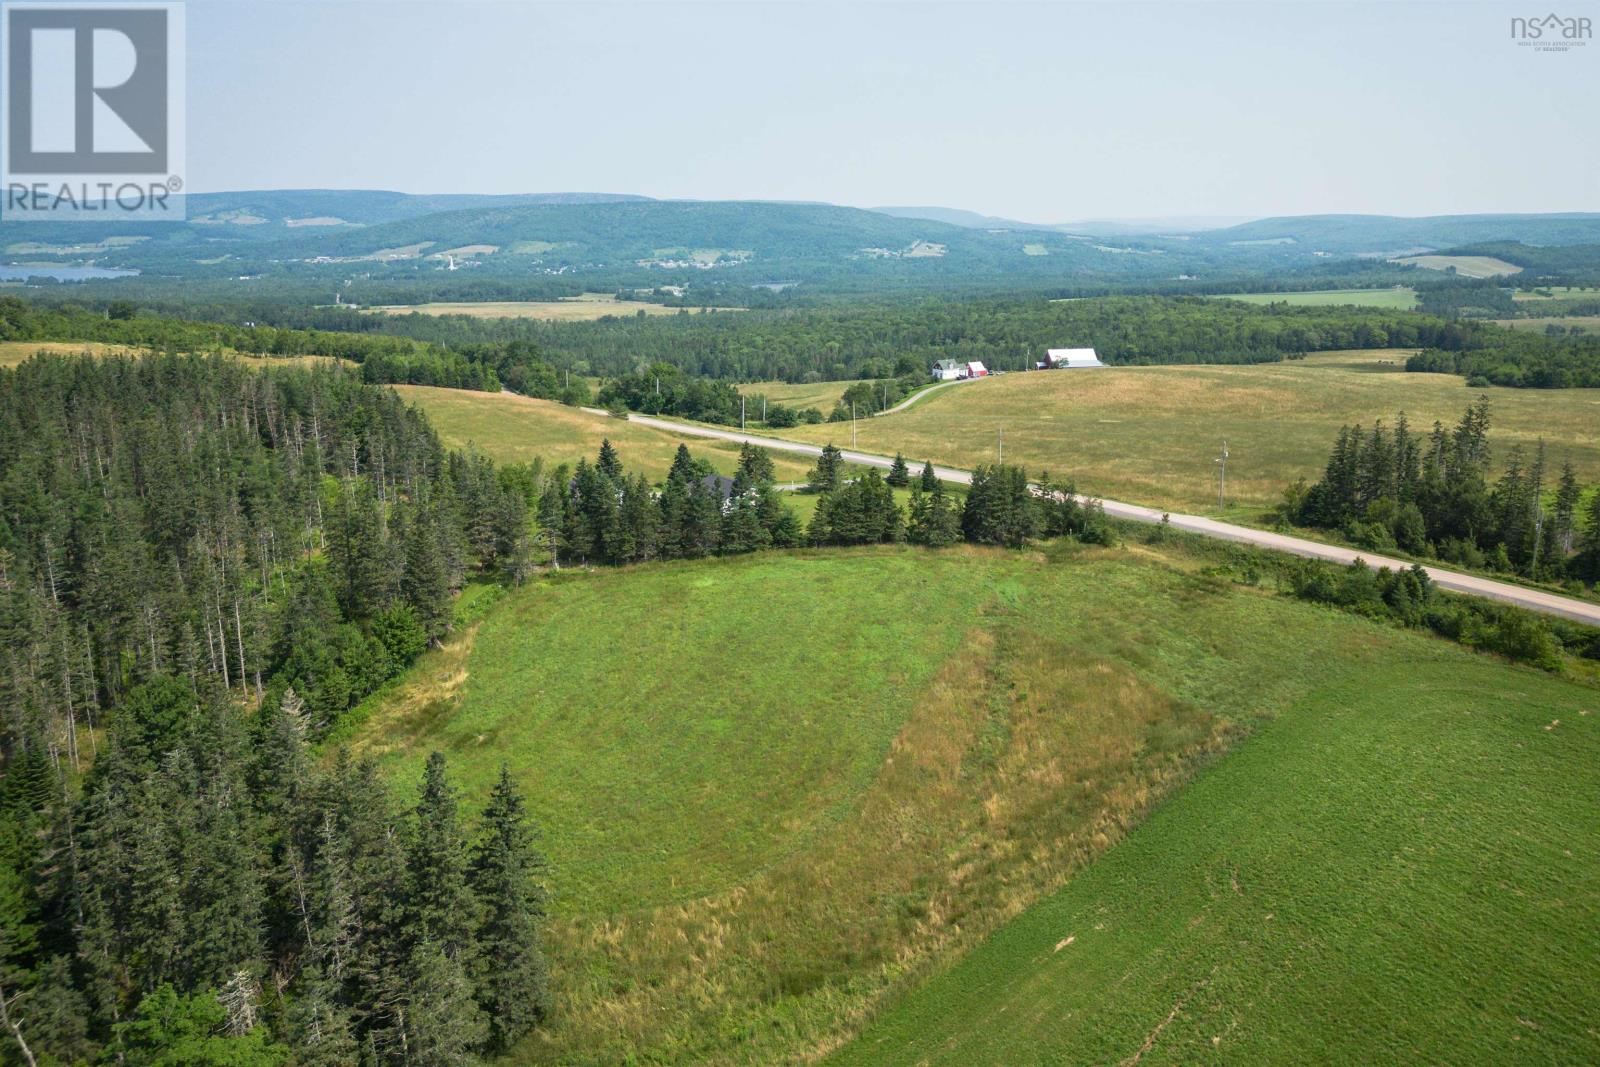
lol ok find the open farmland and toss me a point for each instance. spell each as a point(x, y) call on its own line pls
point(1466, 266)
point(1590, 323)
point(1399, 869)
point(578, 309)
point(957, 755)
point(820, 395)
point(519, 429)
point(15, 352)
point(1149, 435)
point(1396, 297)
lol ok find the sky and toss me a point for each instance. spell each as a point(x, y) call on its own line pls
point(1048, 112)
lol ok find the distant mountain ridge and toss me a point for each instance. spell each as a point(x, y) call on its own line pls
point(1373, 234)
point(609, 240)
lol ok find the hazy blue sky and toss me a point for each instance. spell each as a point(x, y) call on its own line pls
point(1047, 112)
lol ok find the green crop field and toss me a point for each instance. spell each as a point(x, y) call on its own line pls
point(1400, 869)
point(1400, 298)
point(518, 429)
point(1149, 435)
point(780, 792)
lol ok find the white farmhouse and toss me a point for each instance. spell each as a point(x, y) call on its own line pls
point(1070, 357)
point(948, 370)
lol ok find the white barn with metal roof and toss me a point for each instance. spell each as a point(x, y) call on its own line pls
point(1071, 357)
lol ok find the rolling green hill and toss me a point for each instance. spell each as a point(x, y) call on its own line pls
point(1399, 870)
point(779, 792)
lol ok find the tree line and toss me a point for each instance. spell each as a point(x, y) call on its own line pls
point(1431, 494)
point(1000, 507)
point(598, 513)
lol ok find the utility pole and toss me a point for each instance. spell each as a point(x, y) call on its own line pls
point(1002, 445)
point(852, 424)
point(763, 407)
point(741, 411)
point(1222, 477)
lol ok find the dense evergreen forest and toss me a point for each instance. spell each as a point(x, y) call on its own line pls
point(1429, 493)
point(202, 568)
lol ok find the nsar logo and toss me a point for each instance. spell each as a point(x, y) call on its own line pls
point(1552, 33)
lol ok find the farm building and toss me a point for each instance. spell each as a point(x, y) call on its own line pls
point(976, 370)
point(947, 370)
point(1070, 357)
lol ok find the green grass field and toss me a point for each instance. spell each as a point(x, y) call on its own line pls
point(517, 429)
point(820, 395)
point(780, 792)
point(1149, 435)
point(1399, 298)
point(1401, 869)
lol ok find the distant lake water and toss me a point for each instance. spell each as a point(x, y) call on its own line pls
point(61, 274)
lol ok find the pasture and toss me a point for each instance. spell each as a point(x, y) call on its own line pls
point(518, 429)
point(1149, 435)
point(583, 308)
point(1397, 298)
point(1466, 266)
point(1400, 869)
point(747, 870)
point(820, 395)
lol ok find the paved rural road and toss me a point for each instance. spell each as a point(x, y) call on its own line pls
point(1532, 599)
point(917, 398)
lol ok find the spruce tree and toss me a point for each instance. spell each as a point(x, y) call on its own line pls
point(426, 584)
point(929, 479)
point(899, 474)
point(826, 475)
point(440, 903)
point(511, 976)
point(608, 462)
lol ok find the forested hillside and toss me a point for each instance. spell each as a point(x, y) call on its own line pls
point(1006, 334)
point(202, 569)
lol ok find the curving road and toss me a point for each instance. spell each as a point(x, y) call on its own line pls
point(1532, 599)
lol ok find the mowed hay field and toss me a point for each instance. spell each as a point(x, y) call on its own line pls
point(1400, 299)
point(519, 429)
point(577, 309)
point(13, 353)
point(1404, 868)
point(747, 867)
point(1149, 435)
point(1466, 266)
